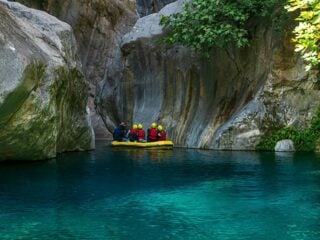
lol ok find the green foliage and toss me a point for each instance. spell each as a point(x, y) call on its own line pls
point(307, 33)
point(303, 140)
point(315, 124)
point(204, 24)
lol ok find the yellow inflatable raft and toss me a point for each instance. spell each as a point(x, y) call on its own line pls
point(159, 144)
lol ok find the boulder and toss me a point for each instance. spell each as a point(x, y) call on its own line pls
point(98, 26)
point(43, 92)
point(285, 145)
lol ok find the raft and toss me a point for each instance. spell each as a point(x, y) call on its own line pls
point(158, 145)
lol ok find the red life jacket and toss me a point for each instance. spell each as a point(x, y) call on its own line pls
point(152, 134)
point(141, 134)
point(133, 134)
point(133, 131)
point(162, 136)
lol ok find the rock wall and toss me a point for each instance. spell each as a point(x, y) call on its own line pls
point(43, 93)
point(289, 97)
point(227, 103)
point(146, 7)
point(98, 26)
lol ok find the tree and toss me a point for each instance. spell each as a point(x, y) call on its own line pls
point(307, 33)
point(205, 24)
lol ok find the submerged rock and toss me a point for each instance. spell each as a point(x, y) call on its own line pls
point(43, 93)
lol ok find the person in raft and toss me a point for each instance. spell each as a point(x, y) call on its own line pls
point(152, 133)
point(161, 135)
point(141, 133)
point(119, 134)
point(132, 134)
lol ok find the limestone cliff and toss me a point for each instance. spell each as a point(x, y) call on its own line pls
point(227, 103)
point(98, 26)
point(43, 93)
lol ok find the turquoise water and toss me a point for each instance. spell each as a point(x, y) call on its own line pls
point(179, 194)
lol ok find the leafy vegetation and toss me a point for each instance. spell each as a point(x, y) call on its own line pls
point(303, 140)
point(205, 24)
point(307, 33)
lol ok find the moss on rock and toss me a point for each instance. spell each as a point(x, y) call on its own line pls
point(32, 76)
point(70, 95)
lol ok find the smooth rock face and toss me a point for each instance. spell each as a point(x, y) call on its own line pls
point(98, 26)
point(227, 103)
point(146, 7)
point(43, 93)
point(284, 146)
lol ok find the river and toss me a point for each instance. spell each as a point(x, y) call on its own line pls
point(162, 194)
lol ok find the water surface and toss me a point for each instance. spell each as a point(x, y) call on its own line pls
point(180, 194)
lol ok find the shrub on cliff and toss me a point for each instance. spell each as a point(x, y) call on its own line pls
point(303, 140)
point(307, 33)
point(204, 24)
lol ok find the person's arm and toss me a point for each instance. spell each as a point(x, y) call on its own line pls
point(128, 133)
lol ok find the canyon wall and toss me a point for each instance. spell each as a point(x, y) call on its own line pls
point(229, 102)
point(98, 26)
point(43, 92)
